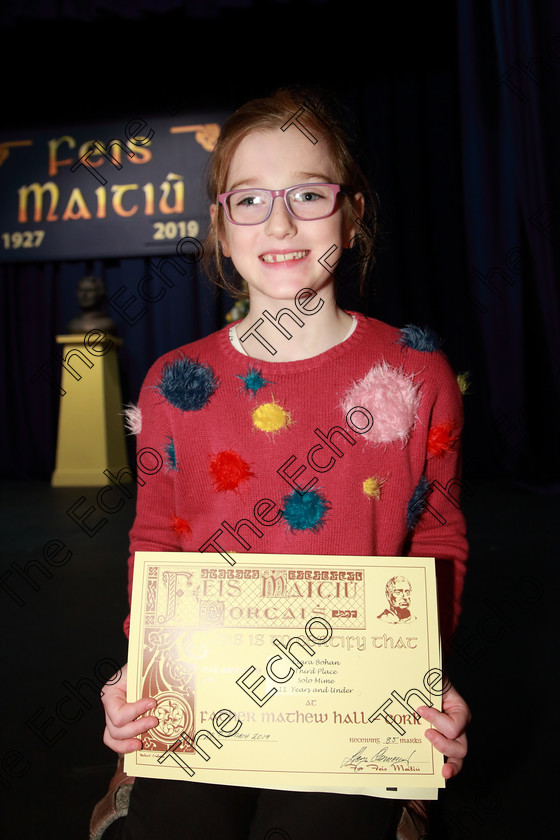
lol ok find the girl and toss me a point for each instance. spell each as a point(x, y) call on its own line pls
point(236, 413)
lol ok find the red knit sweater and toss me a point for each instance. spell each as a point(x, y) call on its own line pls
point(269, 457)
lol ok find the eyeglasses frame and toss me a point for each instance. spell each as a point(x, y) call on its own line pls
point(223, 197)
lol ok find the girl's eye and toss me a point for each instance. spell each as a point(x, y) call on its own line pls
point(308, 196)
point(251, 200)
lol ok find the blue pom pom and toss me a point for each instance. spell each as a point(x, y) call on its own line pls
point(253, 381)
point(417, 503)
point(187, 385)
point(425, 340)
point(170, 457)
point(305, 512)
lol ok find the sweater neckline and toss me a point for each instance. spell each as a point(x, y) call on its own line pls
point(300, 365)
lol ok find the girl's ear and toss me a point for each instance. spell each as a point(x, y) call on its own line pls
point(358, 205)
point(221, 236)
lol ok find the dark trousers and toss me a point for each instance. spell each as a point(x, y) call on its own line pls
point(168, 810)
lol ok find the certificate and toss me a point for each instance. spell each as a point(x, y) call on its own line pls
point(287, 672)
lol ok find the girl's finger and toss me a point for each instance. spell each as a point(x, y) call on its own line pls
point(451, 725)
point(119, 712)
point(127, 746)
point(451, 768)
point(136, 727)
point(456, 748)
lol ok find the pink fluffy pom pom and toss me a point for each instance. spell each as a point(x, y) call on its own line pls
point(132, 418)
point(391, 397)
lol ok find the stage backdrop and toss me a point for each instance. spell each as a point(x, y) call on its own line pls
point(134, 188)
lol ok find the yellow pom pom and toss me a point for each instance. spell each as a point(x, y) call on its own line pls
point(464, 381)
point(271, 417)
point(372, 486)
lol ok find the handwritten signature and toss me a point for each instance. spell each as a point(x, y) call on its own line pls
point(359, 761)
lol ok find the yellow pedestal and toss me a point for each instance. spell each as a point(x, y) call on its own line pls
point(90, 426)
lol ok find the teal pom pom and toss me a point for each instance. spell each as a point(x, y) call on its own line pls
point(170, 457)
point(187, 385)
point(253, 381)
point(305, 512)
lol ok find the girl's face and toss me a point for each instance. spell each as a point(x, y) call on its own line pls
point(276, 160)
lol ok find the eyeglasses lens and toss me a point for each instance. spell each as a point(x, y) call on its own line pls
point(309, 202)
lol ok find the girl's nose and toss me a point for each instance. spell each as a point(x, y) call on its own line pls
point(280, 222)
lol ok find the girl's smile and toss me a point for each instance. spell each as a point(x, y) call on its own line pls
point(284, 258)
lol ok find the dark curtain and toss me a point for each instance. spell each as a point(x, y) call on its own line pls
point(458, 116)
point(509, 60)
point(40, 299)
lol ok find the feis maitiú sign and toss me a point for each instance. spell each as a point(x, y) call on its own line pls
point(134, 188)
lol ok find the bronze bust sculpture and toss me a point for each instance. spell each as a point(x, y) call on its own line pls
point(91, 294)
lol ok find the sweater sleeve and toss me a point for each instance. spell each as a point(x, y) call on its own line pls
point(155, 504)
point(441, 531)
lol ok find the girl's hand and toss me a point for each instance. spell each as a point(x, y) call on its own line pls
point(449, 735)
point(122, 727)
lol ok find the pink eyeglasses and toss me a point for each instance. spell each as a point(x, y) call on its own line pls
point(306, 202)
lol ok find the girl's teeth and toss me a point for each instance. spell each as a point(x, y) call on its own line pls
point(295, 255)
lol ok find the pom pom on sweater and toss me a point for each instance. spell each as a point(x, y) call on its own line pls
point(271, 417)
point(305, 512)
point(417, 503)
point(464, 382)
point(253, 380)
point(229, 470)
point(372, 486)
point(391, 397)
point(442, 438)
point(186, 384)
point(180, 526)
point(170, 457)
point(132, 418)
point(424, 340)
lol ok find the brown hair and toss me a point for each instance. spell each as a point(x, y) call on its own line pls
point(272, 113)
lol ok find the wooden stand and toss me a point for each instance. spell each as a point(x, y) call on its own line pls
point(90, 426)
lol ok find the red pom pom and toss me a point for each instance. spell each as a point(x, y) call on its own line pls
point(442, 438)
point(228, 470)
point(180, 526)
